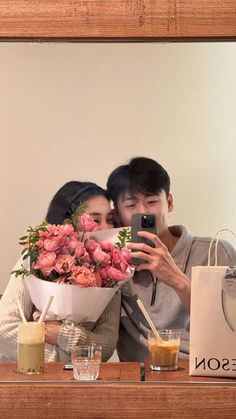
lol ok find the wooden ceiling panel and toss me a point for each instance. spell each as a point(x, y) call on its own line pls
point(118, 19)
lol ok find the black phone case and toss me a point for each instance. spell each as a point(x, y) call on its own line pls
point(136, 225)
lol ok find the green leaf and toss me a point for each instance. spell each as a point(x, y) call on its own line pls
point(21, 272)
point(23, 243)
point(124, 237)
point(23, 238)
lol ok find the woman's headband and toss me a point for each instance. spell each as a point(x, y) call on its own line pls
point(90, 189)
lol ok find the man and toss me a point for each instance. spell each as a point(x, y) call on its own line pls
point(162, 282)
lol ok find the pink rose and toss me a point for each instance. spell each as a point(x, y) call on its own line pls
point(45, 261)
point(98, 279)
point(51, 231)
point(80, 250)
point(40, 243)
point(65, 251)
point(106, 246)
point(104, 273)
point(46, 272)
point(124, 266)
point(65, 229)
point(116, 274)
point(85, 258)
point(126, 259)
point(64, 264)
point(102, 257)
point(52, 244)
point(86, 223)
point(83, 276)
point(81, 254)
point(116, 256)
point(126, 254)
point(72, 243)
point(60, 231)
point(121, 258)
point(91, 245)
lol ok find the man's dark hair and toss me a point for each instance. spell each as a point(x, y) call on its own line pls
point(141, 175)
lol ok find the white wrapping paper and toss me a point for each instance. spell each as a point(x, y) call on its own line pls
point(69, 301)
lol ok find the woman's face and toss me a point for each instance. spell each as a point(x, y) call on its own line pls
point(100, 210)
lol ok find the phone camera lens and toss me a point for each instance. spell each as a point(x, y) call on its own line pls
point(148, 221)
point(144, 221)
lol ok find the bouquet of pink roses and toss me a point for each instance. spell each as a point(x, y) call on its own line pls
point(79, 270)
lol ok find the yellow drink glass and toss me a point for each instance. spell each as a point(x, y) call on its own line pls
point(30, 356)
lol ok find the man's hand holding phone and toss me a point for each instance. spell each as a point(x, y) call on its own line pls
point(151, 254)
point(142, 222)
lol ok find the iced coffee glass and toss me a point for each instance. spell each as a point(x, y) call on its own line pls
point(30, 357)
point(163, 354)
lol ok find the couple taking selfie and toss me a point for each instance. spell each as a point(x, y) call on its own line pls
point(162, 281)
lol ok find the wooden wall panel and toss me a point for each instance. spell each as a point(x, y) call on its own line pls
point(75, 400)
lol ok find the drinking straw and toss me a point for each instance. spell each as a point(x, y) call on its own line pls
point(149, 320)
point(22, 314)
point(45, 309)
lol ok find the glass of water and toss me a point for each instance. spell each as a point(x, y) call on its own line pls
point(86, 361)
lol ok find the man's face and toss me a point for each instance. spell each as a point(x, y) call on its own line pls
point(129, 204)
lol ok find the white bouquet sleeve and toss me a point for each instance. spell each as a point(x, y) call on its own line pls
point(69, 302)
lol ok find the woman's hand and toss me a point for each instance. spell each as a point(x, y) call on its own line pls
point(159, 261)
point(52, 330)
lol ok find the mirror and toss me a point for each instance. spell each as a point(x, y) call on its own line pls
point(74, 111)
point(58, 96)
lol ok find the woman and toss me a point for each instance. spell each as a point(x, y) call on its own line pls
point(61, 337)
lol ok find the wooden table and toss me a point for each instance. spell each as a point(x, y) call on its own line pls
point(119, 392)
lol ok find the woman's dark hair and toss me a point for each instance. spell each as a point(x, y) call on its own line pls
point(69, 197)
point(141, 175)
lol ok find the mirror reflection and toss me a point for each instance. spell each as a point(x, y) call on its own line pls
point(74, 111)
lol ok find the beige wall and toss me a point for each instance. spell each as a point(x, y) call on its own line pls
point(75, 111)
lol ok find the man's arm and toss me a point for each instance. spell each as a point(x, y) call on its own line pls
point(160, 262)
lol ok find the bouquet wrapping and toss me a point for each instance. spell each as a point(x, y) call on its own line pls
point(69, 301)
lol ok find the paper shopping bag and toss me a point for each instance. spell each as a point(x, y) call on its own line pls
point(213, 321)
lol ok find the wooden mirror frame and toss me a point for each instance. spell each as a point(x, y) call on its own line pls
point(118, 20)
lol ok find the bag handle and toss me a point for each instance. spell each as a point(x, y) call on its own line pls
point(217, 238)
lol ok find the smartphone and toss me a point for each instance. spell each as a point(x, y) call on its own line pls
point(68, 367)
point(145, 222)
